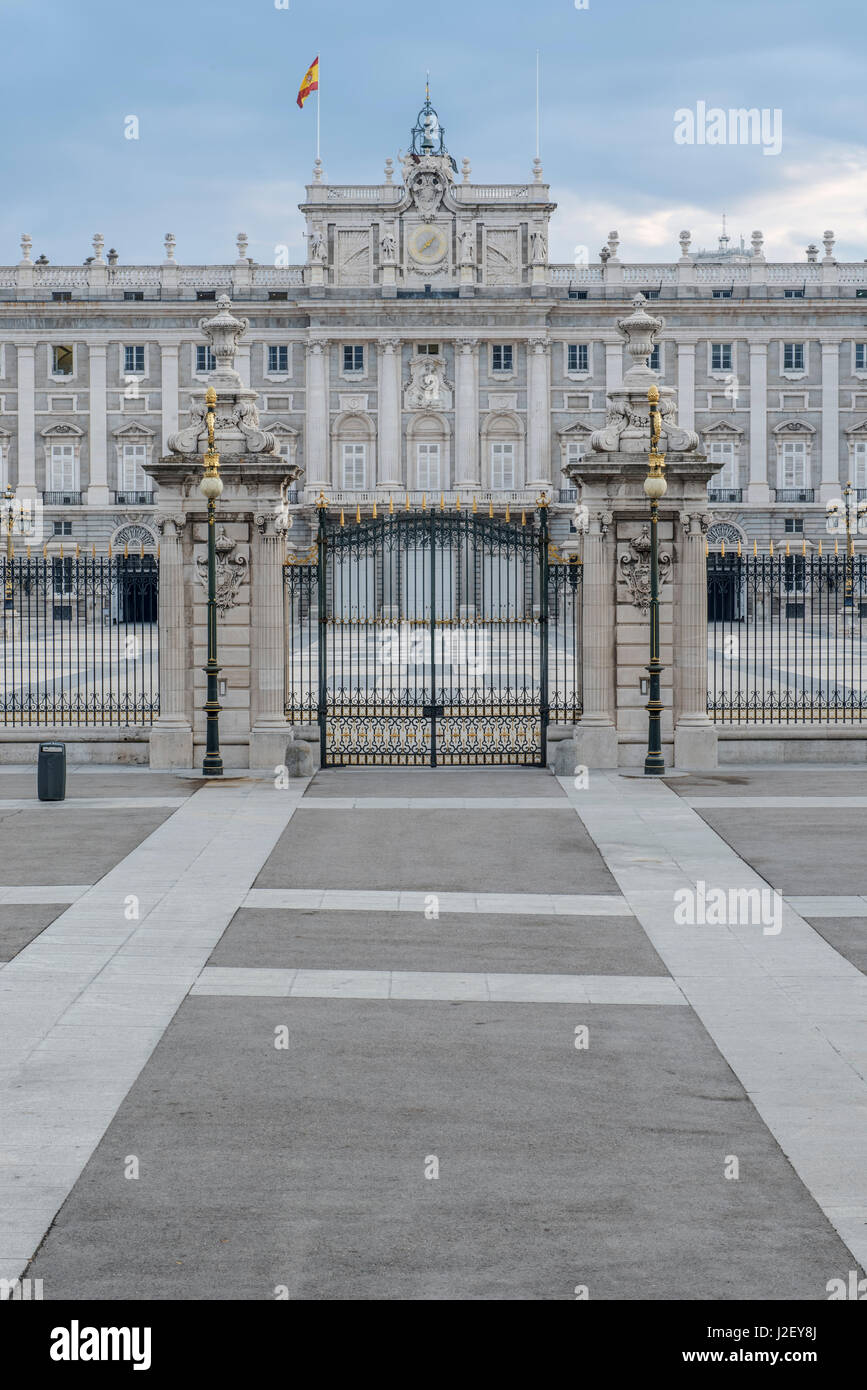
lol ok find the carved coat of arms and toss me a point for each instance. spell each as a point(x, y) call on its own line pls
point(231, 570)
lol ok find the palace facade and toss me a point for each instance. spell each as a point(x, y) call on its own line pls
point(429, 348)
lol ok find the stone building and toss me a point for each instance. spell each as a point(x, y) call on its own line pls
point(428, 346)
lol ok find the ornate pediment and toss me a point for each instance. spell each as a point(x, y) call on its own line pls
point(61, 428)
point(133, 427)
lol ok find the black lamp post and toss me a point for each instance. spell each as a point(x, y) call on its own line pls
point(211, 487)
point(655, 487)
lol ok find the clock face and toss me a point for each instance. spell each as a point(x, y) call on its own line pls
point(428, 244)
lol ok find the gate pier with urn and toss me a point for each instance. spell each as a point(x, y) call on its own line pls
point(613, 524)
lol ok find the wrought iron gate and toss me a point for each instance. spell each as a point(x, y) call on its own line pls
point(426, 638)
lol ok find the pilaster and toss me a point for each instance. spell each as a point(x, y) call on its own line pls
point(26, 423)
point(316, 438)
point(389, 464)
point(759, 489)
point(467, 413)
point(97, 491)
point(539, 413)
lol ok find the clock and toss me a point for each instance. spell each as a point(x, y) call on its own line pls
point(428, 244)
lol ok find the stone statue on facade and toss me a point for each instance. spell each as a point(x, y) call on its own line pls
point(388, 247)
point(318, 246)
point(539, 248)
point(468, 250)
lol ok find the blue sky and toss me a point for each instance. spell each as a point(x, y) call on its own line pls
point(223, 148)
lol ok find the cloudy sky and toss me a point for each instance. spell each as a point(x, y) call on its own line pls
point(223, 148)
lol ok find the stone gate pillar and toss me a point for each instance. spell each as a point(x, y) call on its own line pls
point(251, 523)
point(614, 514)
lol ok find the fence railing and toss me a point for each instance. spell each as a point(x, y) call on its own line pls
point(787, 638)
point(79, 641)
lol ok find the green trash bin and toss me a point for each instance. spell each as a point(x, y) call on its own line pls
point(51, 772)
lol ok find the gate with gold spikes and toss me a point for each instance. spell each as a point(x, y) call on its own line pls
point(424, 638)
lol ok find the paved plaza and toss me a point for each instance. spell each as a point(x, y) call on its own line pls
point(433, 1034)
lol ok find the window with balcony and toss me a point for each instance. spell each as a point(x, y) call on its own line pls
point(428, 467)
point(354, 467)
point(793, 464)
point(724, 482)
point(502, 466)
point(859, 465)
point(62, 361)
point(62, 470)
point(134, 483)
point(720, 357)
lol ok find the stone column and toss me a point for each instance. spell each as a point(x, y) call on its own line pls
point(169, 390)
point(26, 423)
point(830, 486)
point(243, 359)
point(613, 367)
point(389, 465)
point(97, 491)
point(759, 490)
point(172, 735)
point(596, 735)
point(467, 413)
point(695, 735)
point(539, 414)
point(270, 733)
point(686, 385)
point(316, 461)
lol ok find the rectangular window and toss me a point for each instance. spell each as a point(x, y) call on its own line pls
point(793, 357)
point(132, 475)
point(578, 355)
point(278, 294)
point(62, 468)
point(501, 357)
point(429, 467)
point(861, 357)
point(721, 294)
point(654, 361)
point(278, 360)
point(353, 357)
point(720, 357)
point(429, 350)
point(206, 294)
point(61, 361)
point(502, 467)
point(794, 525)
point(134, 360)
point(133, 294)
point(2, 469)
point(793, 294)
point(205, 360)
point(61, 296)
point(63, 528)
point(859, 461)
point(793, 465)
point(722, 453)
point(62, 574)
point(354, 467)
point(574, 451)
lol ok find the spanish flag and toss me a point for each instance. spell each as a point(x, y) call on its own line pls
point(310, 83)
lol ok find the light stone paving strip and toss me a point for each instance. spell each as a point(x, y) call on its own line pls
point(776, 803)
point(98, 803)
point(84, 1005)
point(450, 986)
point(787, 1012)
point(376, 900)
point(436, 803)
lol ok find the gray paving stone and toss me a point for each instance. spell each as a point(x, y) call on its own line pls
point(848, 935)
point(19, 925)
point(458, 941)
point(40, 846)
point(800, 851)
point(542, 1185)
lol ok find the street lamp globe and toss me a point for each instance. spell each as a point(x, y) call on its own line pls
point(655, 486)
point(211, 486)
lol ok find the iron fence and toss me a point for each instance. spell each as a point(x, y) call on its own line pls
point(787, 638)
point(79, 641)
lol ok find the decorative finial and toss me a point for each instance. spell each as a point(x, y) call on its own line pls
point(537, 170)
point(98, 244)
point(465, 170)
point(613, 243)
point(317, 170)
point(170, 246)
point(828, 242)
point(685, 238)
point(26, 247)
point(389, 171)
point(812, 253)
point(241, 243)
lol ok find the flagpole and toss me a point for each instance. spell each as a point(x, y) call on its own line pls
point(538, 106)
point(318, 90)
